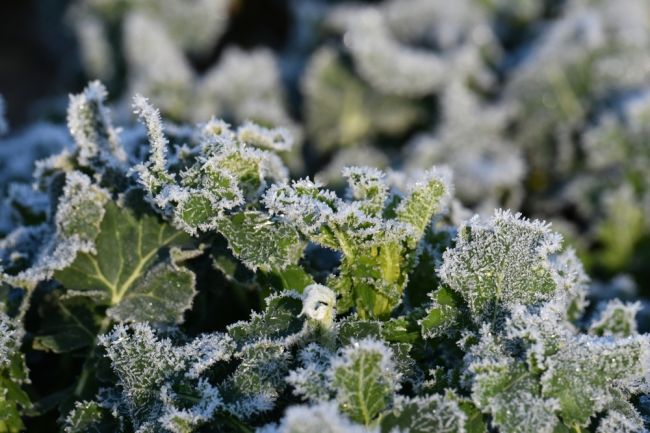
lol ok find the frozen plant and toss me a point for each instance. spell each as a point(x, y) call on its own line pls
point(206, 290)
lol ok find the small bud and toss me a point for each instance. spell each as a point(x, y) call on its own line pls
point(319, 303)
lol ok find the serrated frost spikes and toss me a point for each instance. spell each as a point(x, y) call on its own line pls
point(91, 127)
point(154, 172)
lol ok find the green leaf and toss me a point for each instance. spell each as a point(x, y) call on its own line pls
point(293, 277)
point(368, 187)
point(424, 199)
point(124, 274)
point(342, 110)
point(351, 329)
point(504, 388)
point(403, 329)
point(279, 320)
point(68, 324)
point(84, 417)
point(443, 314)
point(81, 208)
point(161, 295)
point(364, 379)
point(474, 422)
point(14, 401)
point(263, 367)
point(10, 417)
point(260, 241)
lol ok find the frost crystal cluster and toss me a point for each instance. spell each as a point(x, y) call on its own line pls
point(372, 310)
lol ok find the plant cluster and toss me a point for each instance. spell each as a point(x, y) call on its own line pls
point(376, 312)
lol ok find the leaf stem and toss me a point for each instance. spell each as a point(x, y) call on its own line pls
point(88, 367)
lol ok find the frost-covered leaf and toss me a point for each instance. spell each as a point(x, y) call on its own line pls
point(617, 422)
point(350, 329)
point(277, 139)
point(90, 124)
point(378, 253)
point(368, 186)
point(500, 262)
point(185, 413)
point(86, 416)
point(389, 66)
point(425, 197)
point(506, 389)
point(161, 385)
point(80, 210)
point(153, 173)
point(365, 379)
point(305, 204)
point(76, 224)
point(141, 361)
point(14, 401)
point(443, 314)
point(342, 110)
point(617, 319)
point(310, 381)
point(258, 380)
point(163, 293)
point(127, 274)
point(280, 319)
point(586, 374)
point(261, 243)
point(396, 334)
point(433, 413)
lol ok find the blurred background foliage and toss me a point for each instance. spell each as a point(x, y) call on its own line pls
point(536, 105)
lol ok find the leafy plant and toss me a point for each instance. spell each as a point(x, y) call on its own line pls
point(378, 313)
